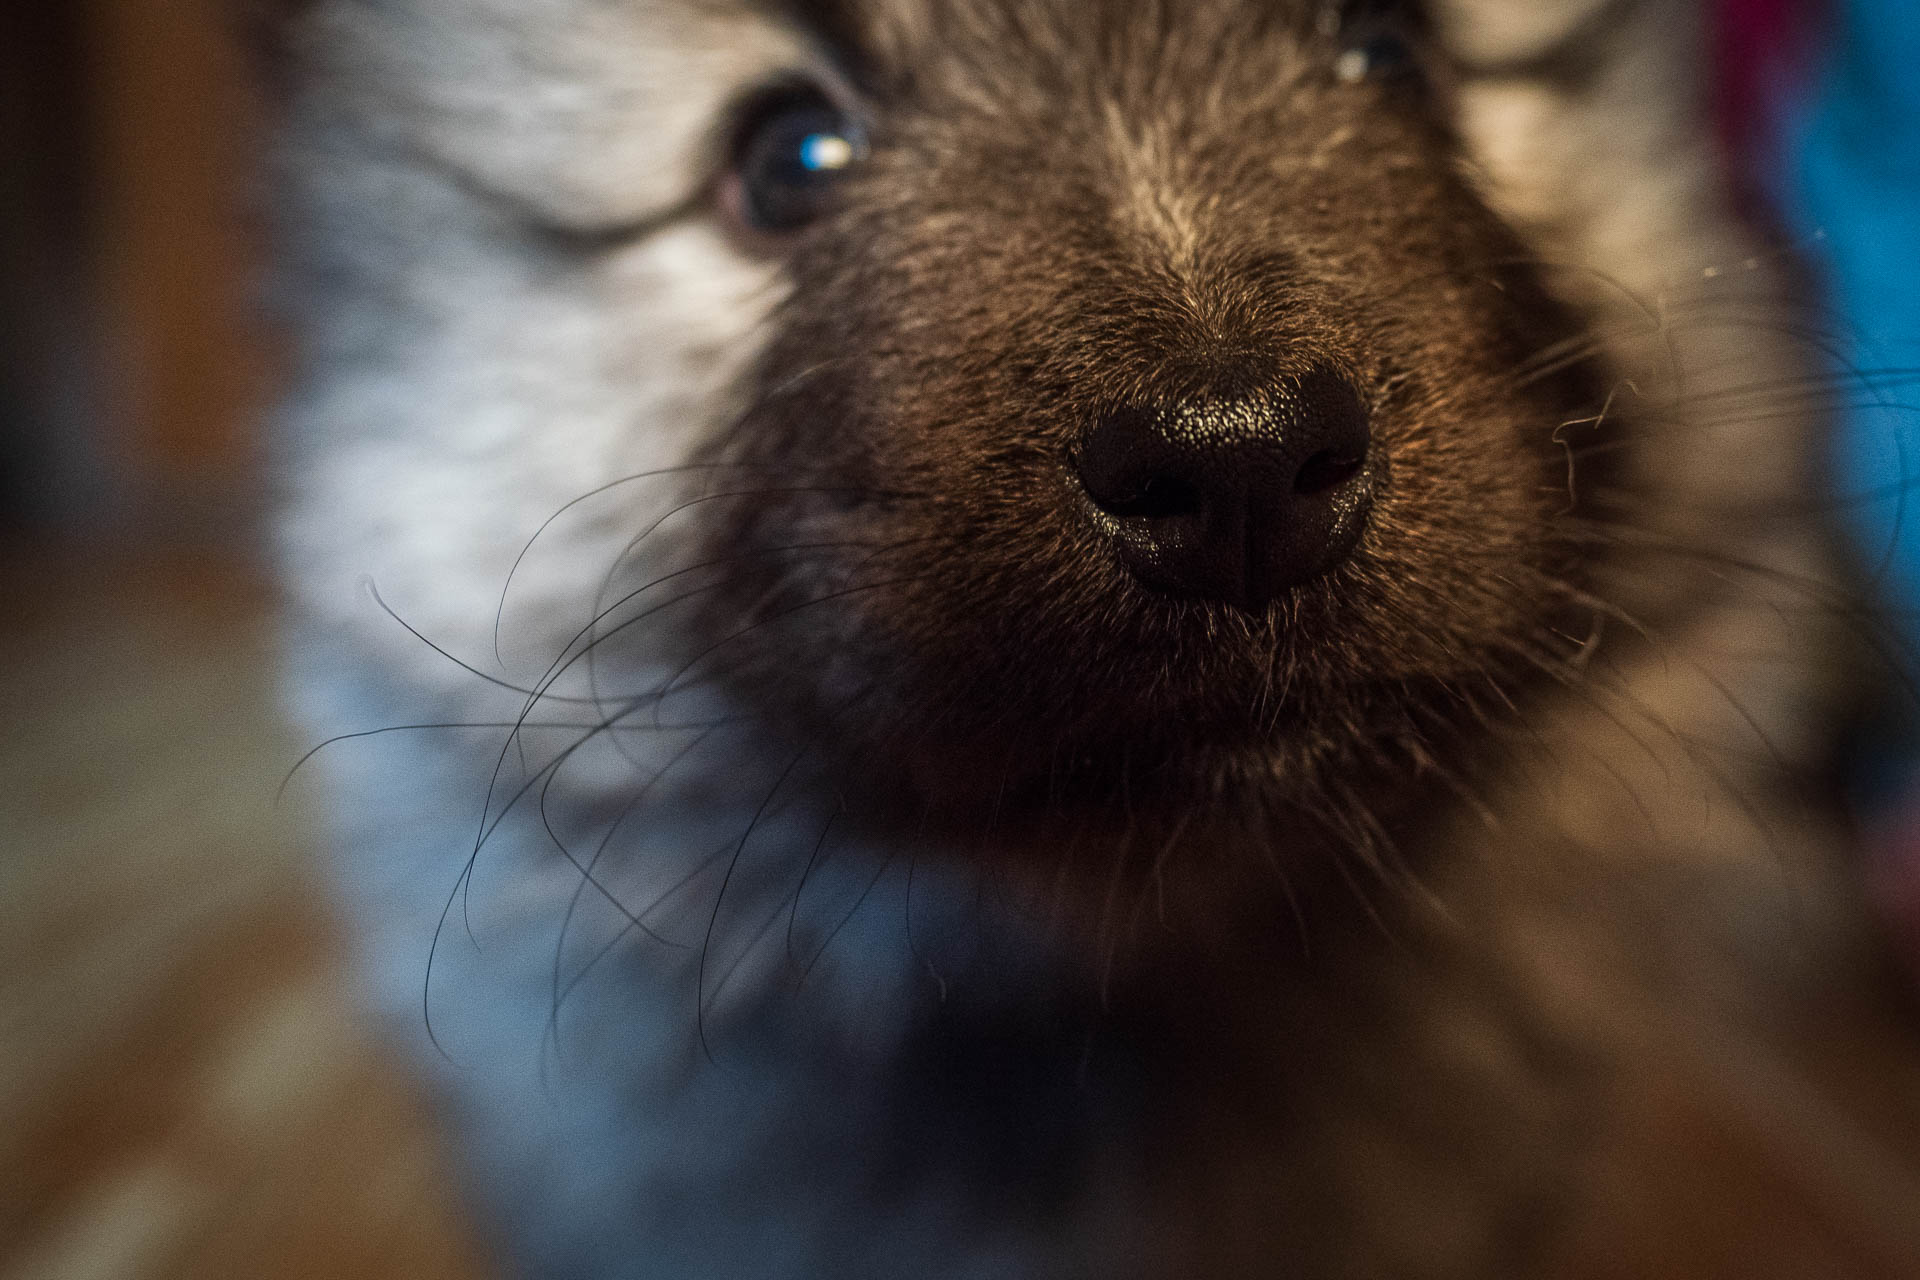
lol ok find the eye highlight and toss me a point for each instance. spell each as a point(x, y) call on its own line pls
point(1379, 40)
point(1382, 55)
point(793, 148)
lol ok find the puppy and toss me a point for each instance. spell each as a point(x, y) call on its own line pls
point(1082, 638)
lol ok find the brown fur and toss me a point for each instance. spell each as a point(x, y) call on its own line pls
point(1404, 918)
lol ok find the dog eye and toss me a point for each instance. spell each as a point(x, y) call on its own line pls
point(1379, 40)
point(793, 148)
point(1383, 55)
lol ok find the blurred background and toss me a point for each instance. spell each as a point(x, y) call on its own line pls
point(186, 1088)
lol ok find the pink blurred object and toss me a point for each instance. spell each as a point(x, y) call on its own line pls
point(1766, 50)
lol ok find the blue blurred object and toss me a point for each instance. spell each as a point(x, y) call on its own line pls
point(1849, 175)
point(1851, 181)
point(1854, 179)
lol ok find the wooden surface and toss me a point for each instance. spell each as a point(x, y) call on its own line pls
point(185, 1087)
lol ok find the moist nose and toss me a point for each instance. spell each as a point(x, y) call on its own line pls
point(1233, 499)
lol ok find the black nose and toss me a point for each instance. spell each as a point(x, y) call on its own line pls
point(1234, 498)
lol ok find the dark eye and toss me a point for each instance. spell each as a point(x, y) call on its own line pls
point(793, 148)
point(1379, 40)
point(1379, 55)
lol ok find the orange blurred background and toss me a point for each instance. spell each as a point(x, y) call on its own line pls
point(136, 366)
point(186, 1088)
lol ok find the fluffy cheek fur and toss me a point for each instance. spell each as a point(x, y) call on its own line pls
point(929, 590)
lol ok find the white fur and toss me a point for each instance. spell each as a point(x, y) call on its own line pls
point(473, 392)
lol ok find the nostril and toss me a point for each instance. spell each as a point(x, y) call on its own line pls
point(1328, 469)
point(1233, 498)
point(1161, 497)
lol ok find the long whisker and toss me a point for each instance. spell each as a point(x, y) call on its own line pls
point(506, 586)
